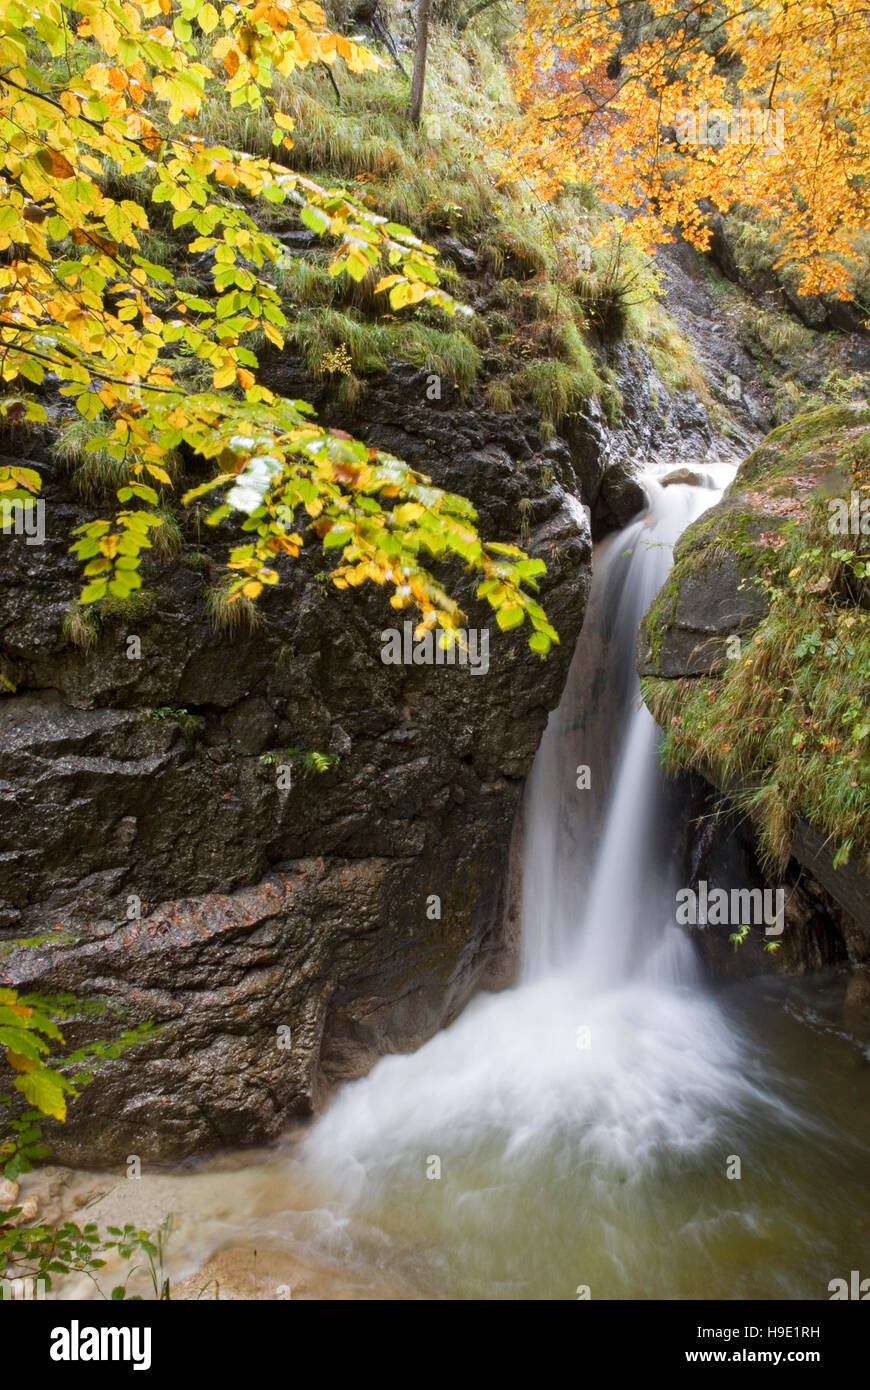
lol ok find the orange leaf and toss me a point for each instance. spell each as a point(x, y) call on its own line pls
point(20, 1063)
point(54, 163)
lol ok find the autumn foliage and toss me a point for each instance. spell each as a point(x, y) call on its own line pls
point(673, 108)
point(95, 94)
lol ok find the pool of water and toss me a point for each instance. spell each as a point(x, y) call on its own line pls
point(561, 1170)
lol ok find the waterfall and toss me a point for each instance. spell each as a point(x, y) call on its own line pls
point(600, 1049)
point(595, 861)
point(572, 1101)
point(610, 1126)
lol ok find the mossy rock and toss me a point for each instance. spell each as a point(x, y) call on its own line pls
point(755, 656)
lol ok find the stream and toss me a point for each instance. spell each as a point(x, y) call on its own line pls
point(581, 1134)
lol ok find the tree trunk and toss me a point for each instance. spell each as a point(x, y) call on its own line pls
point(419, 78)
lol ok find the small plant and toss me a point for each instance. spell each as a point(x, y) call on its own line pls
point(94, 473)
point(81, 626)
point(310, 760)
point(129, 1240)
point(738, 937)
point(29, 1028)
point(231, 613)
point(339, 360)
point(499, 397)
point(167, 540)
point(191, 725)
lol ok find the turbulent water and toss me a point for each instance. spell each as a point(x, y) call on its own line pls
point(577, 1131)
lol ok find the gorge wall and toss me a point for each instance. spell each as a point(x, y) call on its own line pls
point(262, 909)
point(362, 906)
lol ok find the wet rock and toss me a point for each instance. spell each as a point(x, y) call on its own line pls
point(241, 1272)
point(282, 937)
point(711, 605)
point(682, 475)
point(463, 257)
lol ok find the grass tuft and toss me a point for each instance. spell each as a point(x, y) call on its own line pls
point(232, 619)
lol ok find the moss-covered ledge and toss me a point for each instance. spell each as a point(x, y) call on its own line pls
point(755, 656)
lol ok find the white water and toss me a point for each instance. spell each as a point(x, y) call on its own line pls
point(607, 1052)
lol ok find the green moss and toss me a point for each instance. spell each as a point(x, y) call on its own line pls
point(198, 561)
point(139, 604)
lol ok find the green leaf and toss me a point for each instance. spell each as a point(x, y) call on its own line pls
point(335, 537)
point(314, 219)
point(45, 1089)
point(94, 591)
point(509, 617)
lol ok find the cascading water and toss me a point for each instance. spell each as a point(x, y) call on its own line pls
point(602, 1070)
point(580, 1129)
point(595, 862)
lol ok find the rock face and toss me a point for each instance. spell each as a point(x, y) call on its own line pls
point(287, 935)
point(706, 617)
point(710, 605)
point(719, 849)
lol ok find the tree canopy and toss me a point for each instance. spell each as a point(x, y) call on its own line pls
point(676, 107)
point(97, 94)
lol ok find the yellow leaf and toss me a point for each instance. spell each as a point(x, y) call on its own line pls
point(272, 333)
